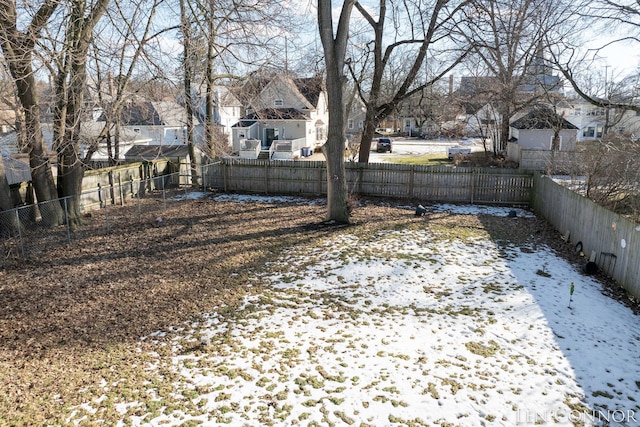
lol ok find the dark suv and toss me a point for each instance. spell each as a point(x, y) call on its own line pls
point(383, 144)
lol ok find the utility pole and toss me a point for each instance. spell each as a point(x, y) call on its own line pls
point(607, 96)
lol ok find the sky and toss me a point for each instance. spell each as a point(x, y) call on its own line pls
point(405, 328)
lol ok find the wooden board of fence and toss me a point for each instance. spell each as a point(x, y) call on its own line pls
point(429, 183)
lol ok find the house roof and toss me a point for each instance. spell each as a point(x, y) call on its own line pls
point(226, 98)
point(155, 152)
point(148, 113)
point(90, 131)
point(542, 118)
point(277, 114)
point(244, 123)
point(310, 88)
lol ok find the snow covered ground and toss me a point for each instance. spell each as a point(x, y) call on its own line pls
point(406, 327)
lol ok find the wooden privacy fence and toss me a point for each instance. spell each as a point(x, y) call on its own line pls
point(429, 183)
point(609, 240)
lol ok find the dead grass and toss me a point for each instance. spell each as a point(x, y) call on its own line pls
point(72, 317)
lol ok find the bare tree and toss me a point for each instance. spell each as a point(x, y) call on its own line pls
point(67, 49)
point(18, 48)
point(119, 48)
point(227, 40)
point(510, 40)
point(416, 31)
point(335, 46)
point(610, 169)
point(187, 80)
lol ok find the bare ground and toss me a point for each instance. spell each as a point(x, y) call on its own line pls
point(72, 315)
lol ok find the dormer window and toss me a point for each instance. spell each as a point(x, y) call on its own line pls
point(278, 102)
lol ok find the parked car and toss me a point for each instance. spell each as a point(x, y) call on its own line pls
point(383, 144)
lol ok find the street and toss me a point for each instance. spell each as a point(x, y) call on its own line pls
point(403, 147)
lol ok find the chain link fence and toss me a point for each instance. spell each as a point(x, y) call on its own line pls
point(26, 232)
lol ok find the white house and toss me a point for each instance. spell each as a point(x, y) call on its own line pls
point(592, 120)
point(285, 116)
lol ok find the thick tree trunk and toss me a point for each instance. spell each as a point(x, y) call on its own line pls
point(70, 165)
point(18, 53)
point(70, 103)
point(41, 175)
point(337, 191)
point(500, 146)
point(334, 148)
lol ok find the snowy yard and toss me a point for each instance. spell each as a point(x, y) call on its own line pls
point(414, 326)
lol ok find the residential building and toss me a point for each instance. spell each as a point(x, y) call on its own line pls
point(593, 121)
point(283, 116)
point(543, 130)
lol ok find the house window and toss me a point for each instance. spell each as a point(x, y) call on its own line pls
point(278, 102)
point(407, 124)
point(320, 133)
point(350, 125)
point(361, 125)
point(600, 132)
point(589, 132)
point(559, 142)
point(577, 111)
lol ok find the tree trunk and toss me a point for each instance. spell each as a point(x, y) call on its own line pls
point(70, 104)
point(188, 97)
point(334, 148)
point(369, 130)
point(41, 175)
point(503, 134)
point(18, 50)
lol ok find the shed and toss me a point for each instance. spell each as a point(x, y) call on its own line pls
point(537, 129)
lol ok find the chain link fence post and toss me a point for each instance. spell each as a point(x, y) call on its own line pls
point(19, 233)
point(164, 194)
point(66, 215)
point(204, 186)
point(106, 213)
point(139, 202)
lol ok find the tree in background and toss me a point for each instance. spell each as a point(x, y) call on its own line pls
point(223, 42)
point(577, 63)
point(120, 47)
point(510, 40)
point(610, 170)
point(400, 52)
